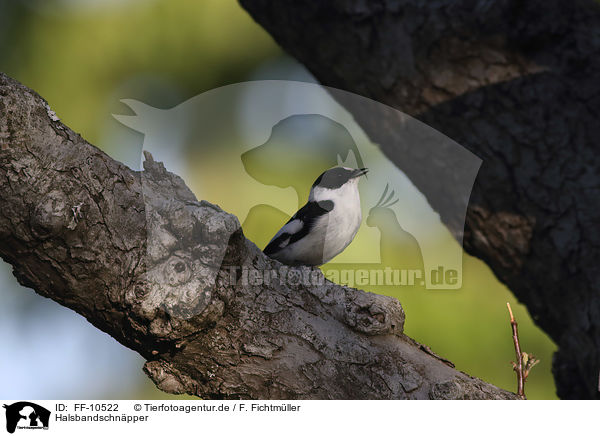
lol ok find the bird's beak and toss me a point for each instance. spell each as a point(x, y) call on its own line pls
point(360, 172)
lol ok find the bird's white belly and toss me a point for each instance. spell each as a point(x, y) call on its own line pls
point(331, 234)
point(341, 230)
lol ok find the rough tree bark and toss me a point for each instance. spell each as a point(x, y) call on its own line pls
point(135, 253)
point(516, 82)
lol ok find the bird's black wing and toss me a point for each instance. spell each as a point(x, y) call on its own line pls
point(307, 215)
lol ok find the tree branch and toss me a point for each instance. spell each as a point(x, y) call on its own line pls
point(137, 254)
point(515, 83)
point(518, 364)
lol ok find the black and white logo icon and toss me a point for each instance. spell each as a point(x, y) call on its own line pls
point(26, 415)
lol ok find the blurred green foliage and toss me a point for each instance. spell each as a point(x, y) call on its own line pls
point(84, 59)
point(76, 58)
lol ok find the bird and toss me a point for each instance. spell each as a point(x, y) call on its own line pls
point(325, 225)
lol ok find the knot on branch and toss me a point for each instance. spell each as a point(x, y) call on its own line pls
point(167, 378)
point(50, 216)
point(374, 314)
point(177, 270)
point(449, 390)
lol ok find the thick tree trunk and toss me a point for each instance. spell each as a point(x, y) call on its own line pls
point(517, 84)
point(137, 255)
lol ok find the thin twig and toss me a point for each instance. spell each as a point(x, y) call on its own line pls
point(518, 366)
